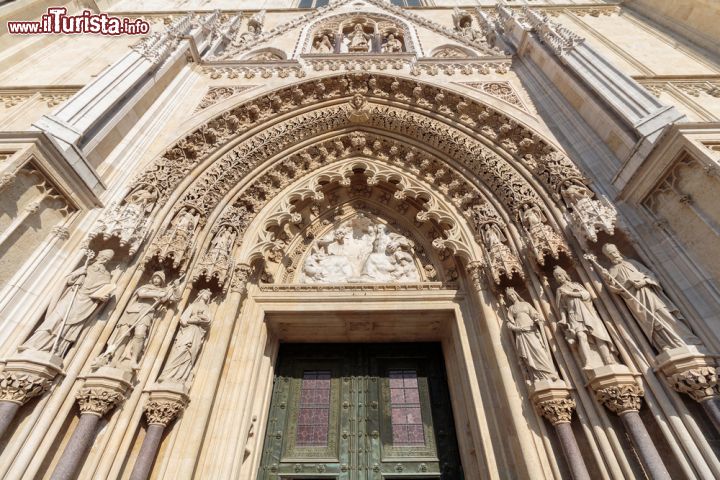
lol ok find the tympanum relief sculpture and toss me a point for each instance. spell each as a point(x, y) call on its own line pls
point(526, 324)
point(85, 290)
point(659, 319)
point(360, 250)
point(581, 323)
point(127, 342)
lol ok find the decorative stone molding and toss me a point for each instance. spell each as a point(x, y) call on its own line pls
point(264, 70)
point(217, 94)
point(98, 401)
point(453, 66)
point(358, 287)
point(341, 63)
point(557, 37)
point(501, 90)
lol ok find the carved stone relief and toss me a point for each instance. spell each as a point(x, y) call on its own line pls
point(217, 94)
point(361, 250)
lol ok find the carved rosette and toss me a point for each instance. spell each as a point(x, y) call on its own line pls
point(700, 383)
point(558, 410)
point(162, 412)
point(98, 400)
point(621, 398)
point(19, 387)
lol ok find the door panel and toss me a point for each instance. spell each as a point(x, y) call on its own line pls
point(360, 412)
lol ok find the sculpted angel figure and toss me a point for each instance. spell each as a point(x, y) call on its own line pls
point(189, 339)
point(392, 45)
point(86, 289)
point(656, 315)
point(580, 320)
point(222, 243)
point(359, 41)
point(525, 322)
point(127, 342)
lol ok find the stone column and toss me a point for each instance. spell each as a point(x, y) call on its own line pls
point(102, 391)
point(26, 375)
point(556, 405)
point(164, 405)
point(690, 371)
point(616, 388)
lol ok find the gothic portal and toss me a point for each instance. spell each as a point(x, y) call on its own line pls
point(361, 240)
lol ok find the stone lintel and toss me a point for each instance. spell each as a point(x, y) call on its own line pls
point(27, 375)
point(103, 390)
point(616, 387)
point(691, 371)
point(166, 401)
point(553, 400)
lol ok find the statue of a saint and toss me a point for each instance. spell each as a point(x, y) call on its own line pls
point(85, 290)
point(580, 320)
point(323, 45)
point(127, 342)
point(194, 323)
point(359, 41)
point(525, 322)
point(657, 316)
point(392, 45)
point(592, 215)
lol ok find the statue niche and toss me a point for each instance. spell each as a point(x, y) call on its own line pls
point(360, 250)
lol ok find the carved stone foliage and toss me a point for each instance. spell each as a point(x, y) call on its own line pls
point(98, 400)
point(127, 221)
point(162, 412)
point(622, 398)
point(176, 244)
point(700, 383)
point(279, 69)
point(557, 410)
point(490, 233)
point(217, 94)
point(19, 387)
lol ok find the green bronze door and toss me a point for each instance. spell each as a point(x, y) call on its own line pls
point(360, 412)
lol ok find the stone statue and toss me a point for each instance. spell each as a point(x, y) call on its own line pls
point(359, 41)
point(463, 24)
point(581, 322)
point(194, 323)
point(178, 238)
point(323, 45)
point(127, 342)
point(85, 290)
point(392, 45)
point(657, 316)
point(534, 353)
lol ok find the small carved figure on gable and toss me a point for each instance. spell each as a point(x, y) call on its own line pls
point(357, 40)
point(323, 44)
point(392, 44)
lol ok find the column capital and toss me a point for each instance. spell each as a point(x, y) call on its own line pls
point(165, 403)
point(98, 400)
point(553, 401)
point(28, 375)
point(690, 371)
point(616, 387)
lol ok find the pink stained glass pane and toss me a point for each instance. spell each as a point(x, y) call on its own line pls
point(405, 412)
point(314, 413)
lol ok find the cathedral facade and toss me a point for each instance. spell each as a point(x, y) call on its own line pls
point(359, 239)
